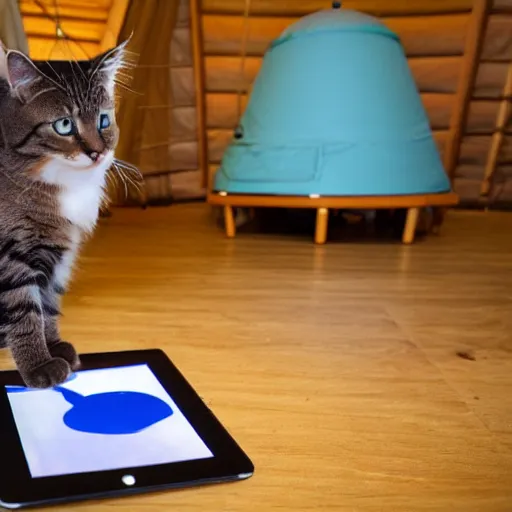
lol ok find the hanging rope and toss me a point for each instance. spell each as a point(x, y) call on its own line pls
point(60, 34)
point(242, 88)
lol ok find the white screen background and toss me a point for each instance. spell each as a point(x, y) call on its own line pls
point(51, 448)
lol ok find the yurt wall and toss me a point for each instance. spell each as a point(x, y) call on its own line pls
point(459, 52)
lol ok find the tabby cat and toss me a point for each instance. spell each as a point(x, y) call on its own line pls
point(57, 139)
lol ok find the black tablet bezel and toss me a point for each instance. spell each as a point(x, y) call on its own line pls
point(229, 462)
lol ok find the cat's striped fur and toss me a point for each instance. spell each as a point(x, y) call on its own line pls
point(51, 187)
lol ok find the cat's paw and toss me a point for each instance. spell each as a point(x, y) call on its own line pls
point(51, 373)
point(65, 351)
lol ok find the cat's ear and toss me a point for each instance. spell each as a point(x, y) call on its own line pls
point(108, 64)
point(114, 59)
point(21, 71)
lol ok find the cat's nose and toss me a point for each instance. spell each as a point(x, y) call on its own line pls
point(95, 156)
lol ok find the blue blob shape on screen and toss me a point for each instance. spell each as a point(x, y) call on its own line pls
point(113, 413)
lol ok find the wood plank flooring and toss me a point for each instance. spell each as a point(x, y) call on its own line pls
point(335, 367)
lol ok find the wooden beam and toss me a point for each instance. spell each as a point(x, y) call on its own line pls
point(474, 38)
point(303, 7)
point(502, 119)
point(30, 7)
point(199, 80)
point(88, 4)
point(420, 35)
point(114, 24)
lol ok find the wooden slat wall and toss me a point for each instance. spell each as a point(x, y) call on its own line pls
point(477, 151)
point(303, 7)
point(420, 35)
point(434, 37)
point(432, 74)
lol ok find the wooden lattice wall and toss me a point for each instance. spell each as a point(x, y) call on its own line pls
point(459, 51)
point(483, 175)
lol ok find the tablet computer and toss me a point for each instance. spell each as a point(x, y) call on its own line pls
point(127, 422)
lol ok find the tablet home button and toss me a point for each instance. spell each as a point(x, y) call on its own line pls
point(128, 480)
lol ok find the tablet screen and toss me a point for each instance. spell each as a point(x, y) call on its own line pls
point(101, 420)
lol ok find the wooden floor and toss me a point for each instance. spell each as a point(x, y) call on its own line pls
point(357, 376)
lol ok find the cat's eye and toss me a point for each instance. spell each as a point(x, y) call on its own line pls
point(103, 121)
point(64, 126)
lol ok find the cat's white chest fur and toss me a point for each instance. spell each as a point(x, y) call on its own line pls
point(81, 207)
point(82, 189)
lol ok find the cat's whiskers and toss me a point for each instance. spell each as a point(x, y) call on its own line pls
point(123, 181)
point(126, 87)
point(128, 65)
point(55, 82)
point(57, 76)
point(77, 93)
point(137, 186)
point(124, 75)
point(74, 74)
point(74, 61)
point(82, 72)
point(126, 179)
point(128, 166)
point(111, 180)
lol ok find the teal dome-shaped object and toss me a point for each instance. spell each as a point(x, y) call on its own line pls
point(334, 111)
